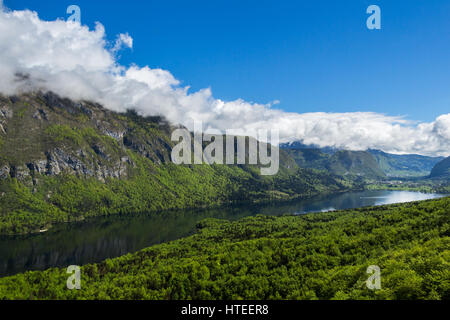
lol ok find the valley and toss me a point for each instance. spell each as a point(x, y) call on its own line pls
point(92, 187)
point(100, 238)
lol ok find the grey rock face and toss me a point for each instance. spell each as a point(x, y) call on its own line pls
point(40, 115)
point(19, 172)
point(98, 149)
point(37, 116)
point(118, 135)
point(6, 112)
point(4, 172)
point(59, 161)
point(39, 166)
point(56, 102)
point(107, 129)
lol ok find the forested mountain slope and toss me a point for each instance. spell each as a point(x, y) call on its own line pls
point(341, 162)
point(62, 160)
point(442, 169)
point(360, 163)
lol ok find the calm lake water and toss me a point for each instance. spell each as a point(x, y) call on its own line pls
point(102, 238)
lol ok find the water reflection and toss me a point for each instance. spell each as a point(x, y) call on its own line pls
point(360, 199)
point(102, 238)
point(402, 196)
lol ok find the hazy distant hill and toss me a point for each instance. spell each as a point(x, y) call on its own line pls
point(410, 165)
point(343, 162)
point(441, 169)
point(309, 158)
point(361, 162)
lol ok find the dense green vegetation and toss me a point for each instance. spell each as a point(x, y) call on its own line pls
point(68, 198)
point(315, 256)
point(419, 185)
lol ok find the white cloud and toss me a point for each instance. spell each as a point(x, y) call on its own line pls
point(123, 41)
point(75, 62)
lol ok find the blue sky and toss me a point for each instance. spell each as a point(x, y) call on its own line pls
point(311, 55)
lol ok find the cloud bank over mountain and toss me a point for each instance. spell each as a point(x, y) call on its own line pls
point(79, 63)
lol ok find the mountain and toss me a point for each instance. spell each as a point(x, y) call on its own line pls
point(441, 169)
point(309, 158)
point(339, 162)
point(361, 162)
point(63, 160)
point(405, 165)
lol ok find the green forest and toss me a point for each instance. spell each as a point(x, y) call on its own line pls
point(313, 256)
point(67, 198)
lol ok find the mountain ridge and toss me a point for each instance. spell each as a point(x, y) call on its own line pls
point(387, 164)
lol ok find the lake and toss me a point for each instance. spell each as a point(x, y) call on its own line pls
point(107, 237)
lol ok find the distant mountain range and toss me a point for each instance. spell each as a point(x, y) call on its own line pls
point(370, 163)
point(410, 165)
